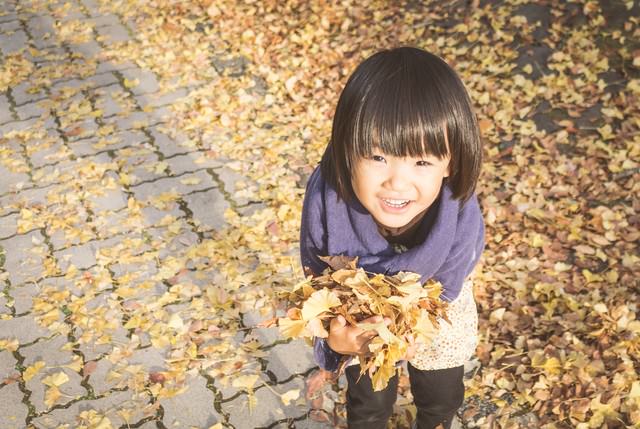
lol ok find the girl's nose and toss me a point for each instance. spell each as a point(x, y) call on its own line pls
point(397, 180)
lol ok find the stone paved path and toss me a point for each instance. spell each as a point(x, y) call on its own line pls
point(46, 144)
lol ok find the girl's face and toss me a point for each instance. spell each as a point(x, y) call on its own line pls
point(395, 190)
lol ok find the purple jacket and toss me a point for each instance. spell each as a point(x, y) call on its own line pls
point(449, 252)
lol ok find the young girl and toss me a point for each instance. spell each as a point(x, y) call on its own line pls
point(395, 188)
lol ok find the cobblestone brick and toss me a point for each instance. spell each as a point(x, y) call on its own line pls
point(92, 7)
point(30, 110)
point(8, 225)
point(208, 208)
point(22, 264)
point(23, 328)
point(7, 365)
point(194, 408)
point(5, 110)
point(90, 49)
point(108, 66)
point(42, 30)
point(12, 42)
point(168, 145)
point(287, 359)
point(147, 80)
point(10, 179)
point(105, 406)
point(112, 34)
point(12, 411)
point(82, 256)
point(22, 95)
point(104, 20)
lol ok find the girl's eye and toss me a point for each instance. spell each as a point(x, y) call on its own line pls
point(423, 163)
point(378, 158)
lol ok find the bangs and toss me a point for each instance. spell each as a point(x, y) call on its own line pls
point(403, 115)
point(404, 102)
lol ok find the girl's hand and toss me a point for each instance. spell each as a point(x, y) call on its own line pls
point(347, 339)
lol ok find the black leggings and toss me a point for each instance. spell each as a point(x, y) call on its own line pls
point(437, 395)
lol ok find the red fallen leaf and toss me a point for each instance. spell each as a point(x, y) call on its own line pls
point(11, 379)
point(74, 132)
point(273, 228)
point(89, 368)
point(195, 326)
point(239, 364)
point(157, 377)
point(268, 323)
point(315, 382)
point(319, 416)
point(175, 279)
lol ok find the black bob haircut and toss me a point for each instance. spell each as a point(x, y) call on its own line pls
point(403, 101)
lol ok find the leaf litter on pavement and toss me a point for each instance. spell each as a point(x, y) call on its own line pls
point(556, 90)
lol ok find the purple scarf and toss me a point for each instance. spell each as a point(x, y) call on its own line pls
point(448, 253)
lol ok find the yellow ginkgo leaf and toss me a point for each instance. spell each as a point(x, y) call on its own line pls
point(289, 396)
point(291, 328)
point(57, 379)
point(32, 370)
point(245, 382)
point(319, 302)
point(51, 396)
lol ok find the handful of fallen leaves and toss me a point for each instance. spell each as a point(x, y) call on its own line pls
point(343, 289)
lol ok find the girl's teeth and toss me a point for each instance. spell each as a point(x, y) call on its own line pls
point(396, 203)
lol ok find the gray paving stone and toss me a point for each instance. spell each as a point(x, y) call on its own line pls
point(12, 411)
point(110, 34)
point(160, 99)
point(23, 297)
point(26, 125)
point(104, 20)
point(288, 359)
point(194, 408)
point(148, 83)
point(90, 49)
point(68, 417)
point(8, 225)
point(112, 200)
point(30, 110)
point(154, 215)
point(13, 42)
point(82, 256)
point(208, 208)
point(92, 7)
point(102, 79)
point(42, 30)
point(10, 26)
point(6, 114)
point(24, 329)
point(180, 164)
point(9, 15)
point(169, 146)
point(106, 101)
point(133, 120)
point(266, 335)
point(269, 409)
point(21, 264)
point(109, 66)
point(21, 93)
point(10, 179)
point(7, 365)
point(50, 351)
point(57, 152)
point(229, 178)
point(144, 191)
point(28, 196)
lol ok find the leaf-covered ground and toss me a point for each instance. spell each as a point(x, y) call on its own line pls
point(250, 88)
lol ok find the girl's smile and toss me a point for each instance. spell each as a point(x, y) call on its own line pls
point(396, 189)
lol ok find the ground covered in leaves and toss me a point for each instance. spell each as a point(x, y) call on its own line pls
point(556, 86)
